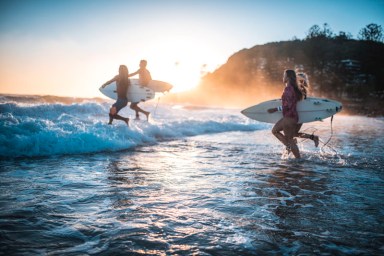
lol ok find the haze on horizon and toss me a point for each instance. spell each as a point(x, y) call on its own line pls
point(69, 48)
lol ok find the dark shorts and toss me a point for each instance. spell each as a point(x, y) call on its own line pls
point(119, 104)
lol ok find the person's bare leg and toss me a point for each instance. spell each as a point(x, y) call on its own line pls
point(289, 127)
point(306, 135)
point(276, 130)
point(112, 112)
point(315, 138)
point(113, 115)
point(124, 119)
point(137, 109)
point(147, 114)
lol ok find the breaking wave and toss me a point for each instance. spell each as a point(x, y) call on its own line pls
point(34, 126)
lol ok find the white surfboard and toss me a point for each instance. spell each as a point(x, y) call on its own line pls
point(135, 92)
point(309, 110)
point(155, 85)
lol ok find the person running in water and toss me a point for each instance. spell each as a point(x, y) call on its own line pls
point(122, 82)
point(288, 124)
point(144, 78)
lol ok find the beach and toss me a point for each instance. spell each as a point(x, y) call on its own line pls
point(191, 181)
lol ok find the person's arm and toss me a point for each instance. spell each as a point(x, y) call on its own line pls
point(110, 81)
point(273, 110)
point(133, 74)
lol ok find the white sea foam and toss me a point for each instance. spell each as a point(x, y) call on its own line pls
point(34, 128)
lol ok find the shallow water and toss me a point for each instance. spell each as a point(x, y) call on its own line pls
point(191, 182)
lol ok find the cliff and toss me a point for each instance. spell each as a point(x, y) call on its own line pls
point(348, 70)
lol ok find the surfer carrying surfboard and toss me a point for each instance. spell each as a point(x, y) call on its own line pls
point(122, 82)
point(144, 78)
point(288, 124)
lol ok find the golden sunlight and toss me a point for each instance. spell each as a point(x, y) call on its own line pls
point(184, 76)
point(180, 61)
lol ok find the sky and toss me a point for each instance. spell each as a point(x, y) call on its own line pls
point(71, 47)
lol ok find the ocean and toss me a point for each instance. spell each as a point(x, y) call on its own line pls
point(191, 181)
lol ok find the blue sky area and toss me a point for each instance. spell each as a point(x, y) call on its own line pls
point(59, 38)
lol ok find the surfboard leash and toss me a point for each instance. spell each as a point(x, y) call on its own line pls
point(324, 144)
point(331, 133)
point(329, 139)
point(157, 104)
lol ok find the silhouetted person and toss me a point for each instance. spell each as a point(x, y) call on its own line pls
point(122, 83)
point(144, 78)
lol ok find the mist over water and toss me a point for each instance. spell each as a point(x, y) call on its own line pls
point(192, 181)
point(225, 96)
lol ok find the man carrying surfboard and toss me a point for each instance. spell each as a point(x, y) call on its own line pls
point(144, 78)
point(288, 124)
point(122, 82)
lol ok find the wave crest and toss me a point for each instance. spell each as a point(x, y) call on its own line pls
point(40, 129)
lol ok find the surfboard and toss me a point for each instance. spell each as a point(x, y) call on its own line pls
point(135, 92)
point(155, 85)
point(309, 110)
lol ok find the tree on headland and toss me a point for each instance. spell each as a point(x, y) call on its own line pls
point(316, 32)
point(372, 32)
point(343, 36)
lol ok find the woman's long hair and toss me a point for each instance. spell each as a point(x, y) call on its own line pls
point(292, 80)
point(123, 75)
point(302, 81)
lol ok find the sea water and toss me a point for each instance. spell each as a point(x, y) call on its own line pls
point(191, 181)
